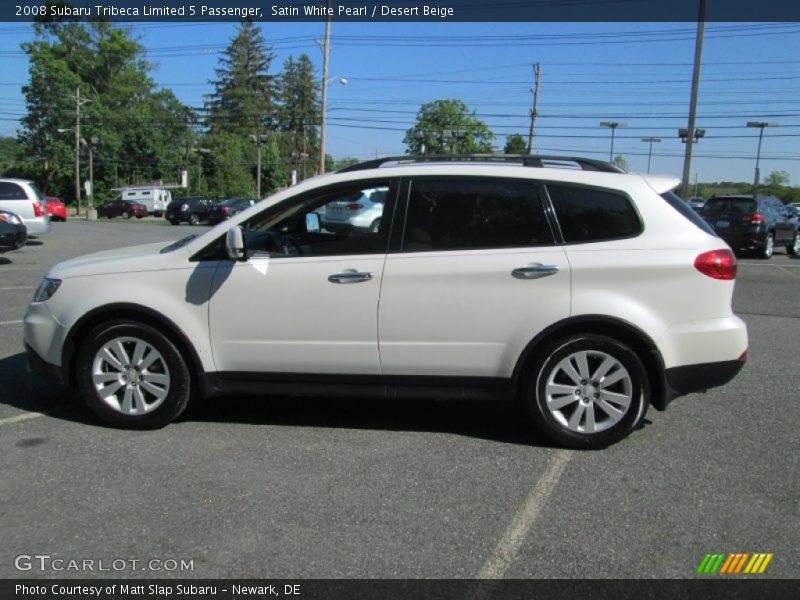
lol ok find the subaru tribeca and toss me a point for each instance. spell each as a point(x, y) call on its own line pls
point(586, 293)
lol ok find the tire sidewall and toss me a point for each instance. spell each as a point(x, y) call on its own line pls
point(769, 249)
point(535, 399)
point(180, 381)
point(194, 220)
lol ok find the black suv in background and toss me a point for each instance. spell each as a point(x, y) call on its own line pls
point(191, 209)
point(748, 223)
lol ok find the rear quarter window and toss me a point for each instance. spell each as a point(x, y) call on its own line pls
point(11, 191)
point(593, 215)
point(688, 212)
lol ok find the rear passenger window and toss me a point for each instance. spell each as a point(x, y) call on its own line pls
point(11, 191)
point(462, 214)
point(593, 215)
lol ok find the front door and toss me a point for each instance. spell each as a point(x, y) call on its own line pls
point(306, 301)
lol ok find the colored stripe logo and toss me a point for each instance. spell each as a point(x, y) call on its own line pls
point(733, 563)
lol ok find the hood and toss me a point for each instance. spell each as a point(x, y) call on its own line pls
point(145, 257)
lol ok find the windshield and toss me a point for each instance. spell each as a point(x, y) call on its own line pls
point(179, 244)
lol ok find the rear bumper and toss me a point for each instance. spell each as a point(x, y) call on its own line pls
point(689, 379)
point(38, 225)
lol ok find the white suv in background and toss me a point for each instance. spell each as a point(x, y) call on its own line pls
point(20, 196)
point(585, 292)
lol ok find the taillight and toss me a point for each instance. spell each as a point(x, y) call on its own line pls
point(756, 217)
point(717, 264)
point(38, 211)
point(743, 357)
point(354, 206)
point(225, 210)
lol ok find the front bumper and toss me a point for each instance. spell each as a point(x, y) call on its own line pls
point(13, 240)
point(38, 365)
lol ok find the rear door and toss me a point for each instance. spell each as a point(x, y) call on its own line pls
point(476, 274)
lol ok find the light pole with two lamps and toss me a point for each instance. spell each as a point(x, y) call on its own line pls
point(612, 125)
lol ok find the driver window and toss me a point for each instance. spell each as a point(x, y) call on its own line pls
point(350, 221)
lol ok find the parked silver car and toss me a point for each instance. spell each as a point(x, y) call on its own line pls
point(21, 197)
point(361, 212)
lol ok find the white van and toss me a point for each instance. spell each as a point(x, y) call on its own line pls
point(154, 198)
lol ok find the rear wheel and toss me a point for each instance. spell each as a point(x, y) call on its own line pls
point(125, 214)
point(132, 376)
point(769, 247)
point(376, 225)
point(794, 247)
point(194, 220)
point(586, 392)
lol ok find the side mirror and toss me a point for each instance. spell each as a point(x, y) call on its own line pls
point(313, 224)
point(235, 244)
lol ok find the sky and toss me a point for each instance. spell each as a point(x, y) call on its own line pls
point(638, 74)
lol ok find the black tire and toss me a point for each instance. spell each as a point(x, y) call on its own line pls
point(125, 214)
point(376, 225)
point(793, 249)
point(767, 250)
point(179, 391)
point(109, 217)
point(173, 222)
point(139, 216)
point(546, 364)
point(194, 220)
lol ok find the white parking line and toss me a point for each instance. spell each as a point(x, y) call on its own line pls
point(507, 548)
point(11, 322)
point(18, 287)
point(33, 415)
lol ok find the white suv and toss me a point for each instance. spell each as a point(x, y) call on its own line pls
point(21, 197)
point(586, 293)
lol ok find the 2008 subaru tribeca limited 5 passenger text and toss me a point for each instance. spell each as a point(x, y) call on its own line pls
point(585, 292)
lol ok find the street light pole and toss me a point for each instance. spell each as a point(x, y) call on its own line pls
point(651, 140)
point(760, 125)
point(612, 125)
point(690, 137)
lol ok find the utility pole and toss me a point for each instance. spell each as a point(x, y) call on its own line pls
point(698, 55)
point(78, 103)
point(326, 50)
point(537, 72)
point(258, 170)
point(90, 199)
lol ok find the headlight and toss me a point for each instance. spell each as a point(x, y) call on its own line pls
point(46, 289)
point(10, 218)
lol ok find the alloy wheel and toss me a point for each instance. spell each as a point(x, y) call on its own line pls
point(130, 376)
point(588, 391)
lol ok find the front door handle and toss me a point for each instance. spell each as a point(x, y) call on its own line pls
point(350, 276)
point(534, 271)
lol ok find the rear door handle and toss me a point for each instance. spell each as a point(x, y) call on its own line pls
point(534, 271)
point(350, 276)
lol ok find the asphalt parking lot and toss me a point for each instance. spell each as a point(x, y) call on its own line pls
point(326, 488)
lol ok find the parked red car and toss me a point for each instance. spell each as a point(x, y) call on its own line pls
point(122, 208)
point(55, 208)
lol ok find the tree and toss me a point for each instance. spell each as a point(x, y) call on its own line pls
point(775, 182)
point(244, 97)
point(621, 162)
point(9, 148)
point(299, 113)
point(140, 132)
point(448, 127)
point(516, 144)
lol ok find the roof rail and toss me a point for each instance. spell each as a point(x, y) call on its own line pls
point(532, 160)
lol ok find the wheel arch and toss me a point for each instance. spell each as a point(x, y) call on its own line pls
point(126, 312)
point(613, 327)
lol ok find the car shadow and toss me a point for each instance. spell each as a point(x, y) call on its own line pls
point(503, 422)
point(5, 261)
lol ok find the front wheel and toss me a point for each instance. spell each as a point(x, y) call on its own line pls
point(194, 220)
point(125, 214)
point(132, 376)
point(769, 247)
point(586, 392)
point(794, 247)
